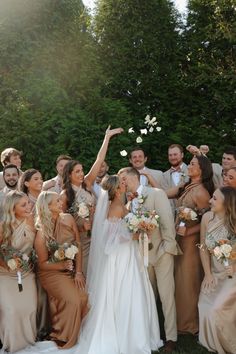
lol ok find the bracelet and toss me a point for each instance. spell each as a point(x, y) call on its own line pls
point(79, 273)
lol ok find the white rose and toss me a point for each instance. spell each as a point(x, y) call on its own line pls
point(83, 211)
point(70, 253)
point(134, 221)
point(12, 264)
point(226, 250)
point(193, 215)
point(25, 257)
point(217, 252)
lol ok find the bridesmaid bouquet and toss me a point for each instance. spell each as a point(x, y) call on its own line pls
point(143, 222)
point(185, 215)
point(82, 210)
point(223, 251)
point(18, 261)
point(62, 252)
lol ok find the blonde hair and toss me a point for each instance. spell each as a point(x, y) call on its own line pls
point(9, 218)
point(111, 184)
point(229, 194)
point(43, 217)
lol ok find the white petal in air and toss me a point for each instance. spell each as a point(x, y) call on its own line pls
point(158, 129)
point(139, 140)
point(123, 153)
point(143, 131)
point(151, 129)
point(147, 119)
point(131, 130)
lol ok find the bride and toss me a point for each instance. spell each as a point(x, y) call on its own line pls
point(123, 316)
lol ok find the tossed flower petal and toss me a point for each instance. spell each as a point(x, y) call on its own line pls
point(143, 131)
point(131, 130)
point(139, 140)
point(123, 153)
point(158, 129)
point(151, 129)
point(147, 119)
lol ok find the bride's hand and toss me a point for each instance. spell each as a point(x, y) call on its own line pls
point(209, 283)
point(112, 132)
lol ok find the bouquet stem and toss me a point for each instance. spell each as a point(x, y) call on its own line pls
point(226, 264)
point(19, 281)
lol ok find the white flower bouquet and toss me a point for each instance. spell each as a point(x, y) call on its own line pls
point(18, 261)
point(223, 251)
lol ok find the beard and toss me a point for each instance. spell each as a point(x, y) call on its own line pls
point(176, 163)
point(12, 184)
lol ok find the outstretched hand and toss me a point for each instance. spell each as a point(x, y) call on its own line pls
point(112, 132)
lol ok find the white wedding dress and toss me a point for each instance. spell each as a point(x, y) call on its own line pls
point(123, 316)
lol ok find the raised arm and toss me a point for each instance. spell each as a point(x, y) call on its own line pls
point(89, 179)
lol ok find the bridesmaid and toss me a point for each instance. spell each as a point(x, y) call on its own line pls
point(78, 188)
point(217, 308)
point(31, 183)
point(67, 297)
point(18, 309)
point(188, 271)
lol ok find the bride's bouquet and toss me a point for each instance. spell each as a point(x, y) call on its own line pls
point(18, 261)
point(185, 215)
point(143, 223)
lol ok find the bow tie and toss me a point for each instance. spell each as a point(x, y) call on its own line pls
point(177, 169)
point(132, 196)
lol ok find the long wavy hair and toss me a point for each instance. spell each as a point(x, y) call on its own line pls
point(229, 194)
point(67, 186)
point(43, 216)
point(206, 175)
point(9, 217)
point(26, 177)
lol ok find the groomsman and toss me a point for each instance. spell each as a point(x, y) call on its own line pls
point(11, 176)
point(177, 173)
point(148, 177)
point(161, 256)
point(10, 156)
point(55, 184)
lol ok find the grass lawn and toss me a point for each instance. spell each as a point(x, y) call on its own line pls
point(187, 344)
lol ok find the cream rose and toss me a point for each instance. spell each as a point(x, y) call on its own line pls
point(12, 264)
point(83, 211)
point(71, 252)
point(226, 250)
point(217, 252)
point(59, 254)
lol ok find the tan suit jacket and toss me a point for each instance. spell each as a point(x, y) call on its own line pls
point(2, 182)
point(156, 174)
point(163, 238)
point(167, 183)
point(217, 175)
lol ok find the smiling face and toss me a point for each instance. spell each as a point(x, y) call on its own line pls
point(138, 159)
point(77, 175)
point(175, 156)
point(194, 170)
point(22, 208)
point(217, 202)
point(55, 206)
point(11, 177)
point(227, 161)
point(60, 166)
point(35, 183)
point(229, 178)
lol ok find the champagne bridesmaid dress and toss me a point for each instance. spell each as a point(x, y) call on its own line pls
point(68, 304)
point(217, 309)
point(18, 309)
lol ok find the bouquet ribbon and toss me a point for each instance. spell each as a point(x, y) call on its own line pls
point(226, 264)
point(19, 281)
point(143, 247)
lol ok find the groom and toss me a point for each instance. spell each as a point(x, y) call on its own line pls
point(161, 256)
